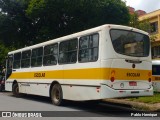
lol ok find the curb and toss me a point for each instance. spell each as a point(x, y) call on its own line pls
point(135, 105)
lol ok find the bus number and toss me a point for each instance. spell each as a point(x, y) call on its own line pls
point(39, 74)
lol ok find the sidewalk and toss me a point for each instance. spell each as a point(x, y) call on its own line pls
point(135, 105)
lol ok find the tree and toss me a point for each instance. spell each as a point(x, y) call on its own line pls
point(53, 18)
point(26, 22)
point(3, 53)
point(134, 22)
point(142, 25)
point(15, 27)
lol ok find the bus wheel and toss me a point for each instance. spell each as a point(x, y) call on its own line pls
point(0, 88)
point(57, 95)
point(15, 90)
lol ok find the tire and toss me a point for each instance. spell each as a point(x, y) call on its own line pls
point(1, 88)
point(57, 95)
point(15, 90)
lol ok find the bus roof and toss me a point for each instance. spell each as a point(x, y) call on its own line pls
point(155, 62)
point(75, 35)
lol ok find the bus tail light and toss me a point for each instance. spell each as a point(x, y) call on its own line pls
point(112, 75)
point(149, 80)
point(112, 79)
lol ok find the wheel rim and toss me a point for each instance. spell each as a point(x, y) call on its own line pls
point(17, 90)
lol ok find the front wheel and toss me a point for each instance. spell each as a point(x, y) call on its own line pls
point(1, 88)
point(57, 95)
point(15, 90)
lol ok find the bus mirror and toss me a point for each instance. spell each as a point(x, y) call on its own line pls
point(7, 57)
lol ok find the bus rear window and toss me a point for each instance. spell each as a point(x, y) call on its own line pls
point(130, 43)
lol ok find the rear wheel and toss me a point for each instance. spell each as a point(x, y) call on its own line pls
point(57, 95)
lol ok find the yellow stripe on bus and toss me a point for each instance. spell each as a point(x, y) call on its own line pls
point(155, 78)
point(92, 73)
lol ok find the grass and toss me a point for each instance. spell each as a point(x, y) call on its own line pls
point(150, 99)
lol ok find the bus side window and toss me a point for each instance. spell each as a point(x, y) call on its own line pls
point(88, 48)
point(25, 61)
point(50, 55)
point(36, 58)
point(17, 60)
point(68, 51)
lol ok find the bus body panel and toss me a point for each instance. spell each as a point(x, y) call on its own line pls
point(88, 80)
point(156, 75)
point(105, 92)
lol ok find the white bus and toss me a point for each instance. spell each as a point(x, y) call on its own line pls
point(156, 75)
point(109, 61)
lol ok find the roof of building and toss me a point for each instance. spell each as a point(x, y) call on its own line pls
point(150, 15)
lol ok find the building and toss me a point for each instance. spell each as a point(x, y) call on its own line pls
point(131, 10)
point(140, 12)
point(154, 19)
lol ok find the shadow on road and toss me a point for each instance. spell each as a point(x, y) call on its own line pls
point(100, 109)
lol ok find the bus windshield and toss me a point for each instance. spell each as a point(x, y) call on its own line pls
point(130, 43)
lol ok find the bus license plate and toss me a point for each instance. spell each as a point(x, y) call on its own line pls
point(132, 83)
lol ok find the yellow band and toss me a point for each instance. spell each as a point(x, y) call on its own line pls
point(92, 73)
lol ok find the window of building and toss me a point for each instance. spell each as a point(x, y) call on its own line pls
point(25, 61)
point(36, 59)
point(17, 60)
point(156, 51)
point(88, 48)
point(50, 55)
point(154, 27)
point(68, 51)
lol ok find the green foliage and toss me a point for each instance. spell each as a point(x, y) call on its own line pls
point(26, 22)
point(55, 18)
point(145, 25)
point(134, 22)
point(142, 25)
point(15, 27)
point(3, 53)
point(149, 99)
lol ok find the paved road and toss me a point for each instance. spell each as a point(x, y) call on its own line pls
point(80, 110)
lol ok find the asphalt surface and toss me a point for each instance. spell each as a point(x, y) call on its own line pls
point(80, 110)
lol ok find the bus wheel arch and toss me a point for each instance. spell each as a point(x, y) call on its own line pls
point(56, 93)
point(14, 82)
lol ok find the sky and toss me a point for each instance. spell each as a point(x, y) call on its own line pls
point(146, 5)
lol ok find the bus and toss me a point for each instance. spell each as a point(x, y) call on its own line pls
point(156, 75)
point(108, 61)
